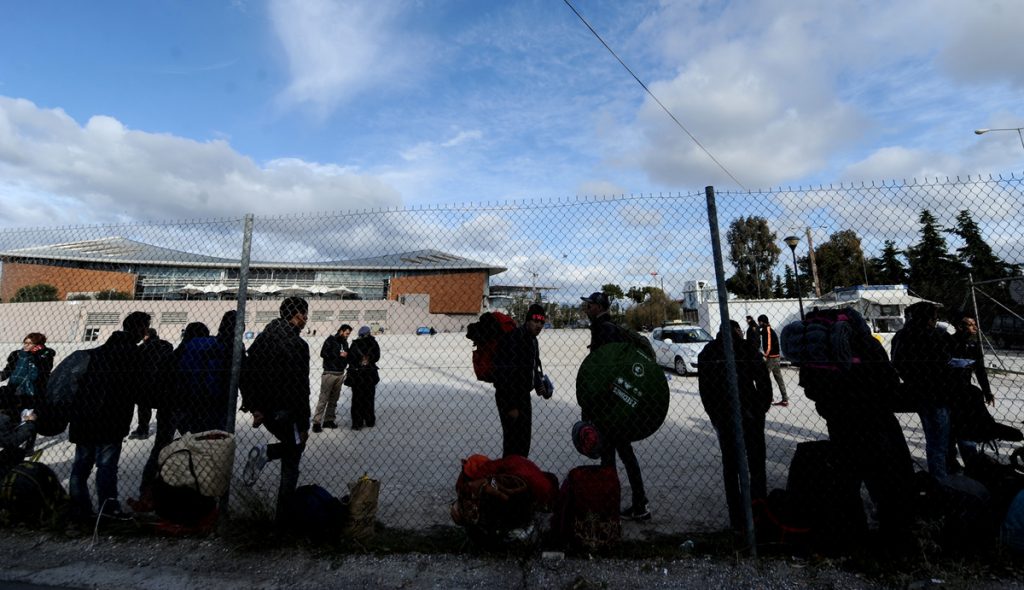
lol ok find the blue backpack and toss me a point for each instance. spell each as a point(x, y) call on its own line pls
point(23, 380)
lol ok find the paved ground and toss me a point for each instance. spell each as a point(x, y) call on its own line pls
point(432, 412)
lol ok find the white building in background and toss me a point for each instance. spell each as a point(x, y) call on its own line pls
point(882, 306)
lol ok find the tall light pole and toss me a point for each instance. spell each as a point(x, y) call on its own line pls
point(1017, 129)
point(792, 241)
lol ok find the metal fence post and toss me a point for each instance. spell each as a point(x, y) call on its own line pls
point(238, 349)
point(731, 380)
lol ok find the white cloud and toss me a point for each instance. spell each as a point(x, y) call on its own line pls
point(337, 49)
point(427, 149)
point(103, 171)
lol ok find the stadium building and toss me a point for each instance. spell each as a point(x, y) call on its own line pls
point(436, 287)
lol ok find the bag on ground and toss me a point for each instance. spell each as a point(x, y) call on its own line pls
point(587, 512)
point(316, 514)
point(182, 505)
point(202, 461)
point(488, 507)
point(486, 336)
point(1012, 532)
point(31, 493)
point(824, 496)
point(363, 497)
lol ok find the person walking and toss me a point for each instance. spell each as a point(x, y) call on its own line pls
point(275, 390)
point(363, 377)
point(334, 352)
point(518, 371)
point(772, 356)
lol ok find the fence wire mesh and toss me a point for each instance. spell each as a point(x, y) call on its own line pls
point(417, 278)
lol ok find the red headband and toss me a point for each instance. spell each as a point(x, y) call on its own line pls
point(538, 317)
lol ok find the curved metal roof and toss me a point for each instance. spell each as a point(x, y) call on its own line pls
point(119, 250)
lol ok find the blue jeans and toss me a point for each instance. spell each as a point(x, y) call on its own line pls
point(935, 422)
point(105, 457)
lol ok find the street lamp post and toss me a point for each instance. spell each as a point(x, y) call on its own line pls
point(1017, 129)
point(792, 241)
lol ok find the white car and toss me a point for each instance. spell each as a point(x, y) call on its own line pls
point(677, 347)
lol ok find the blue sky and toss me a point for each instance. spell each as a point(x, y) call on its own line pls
point(123, 111)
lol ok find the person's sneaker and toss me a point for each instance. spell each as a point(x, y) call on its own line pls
point(330, 424)
point(139, 434)
point(783, 404)
point(254, 464)
point(317, 428)
point(638, 513)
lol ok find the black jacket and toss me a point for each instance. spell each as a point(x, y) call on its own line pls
point(13, 436)
point(755, 386)
point(105, 402)
point(363, 356)
point(921, 355)
point(517, 367)
point(603, 331)
point(770, 342)
point(276, 374)
point(331, 353)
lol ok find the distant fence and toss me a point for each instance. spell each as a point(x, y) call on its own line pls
point(956, 242)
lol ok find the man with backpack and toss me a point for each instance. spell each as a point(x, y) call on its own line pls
point(855, 395)
point(604, 331)
point(102, 415)
point(755, 390)
point(275, 389)
point(334, 352)
point(772, 356)
point(517, 372)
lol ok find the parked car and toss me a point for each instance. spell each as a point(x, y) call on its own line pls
point(1006, 330)
point(677, 347)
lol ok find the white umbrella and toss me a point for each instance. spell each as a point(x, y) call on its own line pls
point(293, 290)
point(190, 289)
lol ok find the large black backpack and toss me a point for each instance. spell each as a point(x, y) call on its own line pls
point(31, 493)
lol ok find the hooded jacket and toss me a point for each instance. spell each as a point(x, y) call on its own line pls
point(276, 373)
point(755, 386)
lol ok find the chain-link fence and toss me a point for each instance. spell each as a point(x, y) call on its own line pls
point(418, 278)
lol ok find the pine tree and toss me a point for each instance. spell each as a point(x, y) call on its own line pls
point(753, 251)
point(934, 274)
point(888, 269)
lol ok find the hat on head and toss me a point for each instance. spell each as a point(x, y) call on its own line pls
point(598, 298)
point(364, 331)
point(536, 312)
point(587, 439)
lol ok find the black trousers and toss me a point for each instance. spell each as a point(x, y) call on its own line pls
point(289, 451)
point(515, 432)
point(363, 402)
point(624, 449)
point(753, 442)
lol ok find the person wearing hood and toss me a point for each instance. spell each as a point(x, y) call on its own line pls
point(275, 389)
point(363, 378)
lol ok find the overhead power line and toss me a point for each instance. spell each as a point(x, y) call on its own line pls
point(651, 94)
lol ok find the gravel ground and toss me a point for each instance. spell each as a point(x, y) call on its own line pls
point(155, 563)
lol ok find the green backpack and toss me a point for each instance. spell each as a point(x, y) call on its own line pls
point(622, 389)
